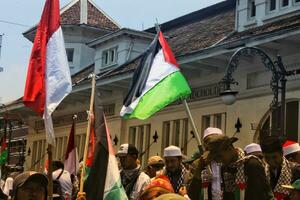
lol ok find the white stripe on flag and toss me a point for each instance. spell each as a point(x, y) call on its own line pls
point(57, 79)
point(159, 70)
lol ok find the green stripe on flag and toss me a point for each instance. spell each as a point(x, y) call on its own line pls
point(168, 90)
point(116, 192)
point(3, 157)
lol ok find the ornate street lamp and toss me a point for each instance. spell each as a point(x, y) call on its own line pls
point(278, 83)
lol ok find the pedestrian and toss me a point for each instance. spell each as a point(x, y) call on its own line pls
point(63, 177)
point(154, 164)
point(291, 151)
point(30, 185)
point(133, 179)
point(254, 149)
point(280, 171)
point(244, 177)
point(211, 175)
point(174, 168)
point(294, 189)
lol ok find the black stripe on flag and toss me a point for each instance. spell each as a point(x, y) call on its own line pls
point(141, 74)
point(95, 183)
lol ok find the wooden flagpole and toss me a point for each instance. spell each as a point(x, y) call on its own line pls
point(188, 112)
point(50, 170)
point(88, 130)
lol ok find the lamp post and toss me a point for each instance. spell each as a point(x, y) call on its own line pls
point(277, 83)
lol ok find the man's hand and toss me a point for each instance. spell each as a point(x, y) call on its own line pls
point(182, 191)
point(81, 196)
point(200, 164)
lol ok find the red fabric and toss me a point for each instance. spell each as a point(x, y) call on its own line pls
point(279, 196)
point(168, 54)
point(161, 181)
point(3, 143)
point(91, 150)
point(288, 143)
point(241, 186)
point(35, 94)
point(71, 142)
point(205, 184)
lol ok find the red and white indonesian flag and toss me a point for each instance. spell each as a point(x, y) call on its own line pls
point(48, 77)
point(71, 157)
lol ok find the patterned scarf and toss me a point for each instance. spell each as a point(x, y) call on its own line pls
point(285, 178)
point(176, 178)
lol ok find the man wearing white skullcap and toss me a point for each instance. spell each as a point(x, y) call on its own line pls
point(253, 149)
point(209, 177)
point(174, 169)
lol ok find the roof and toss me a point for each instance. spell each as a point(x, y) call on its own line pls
point(200, 29)
point(285, 24)
point(70, 15)
point(121, 32)
point(82, 74)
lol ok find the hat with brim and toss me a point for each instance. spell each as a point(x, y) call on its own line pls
point(28, 176)
point(126, 149)
point(294, 186)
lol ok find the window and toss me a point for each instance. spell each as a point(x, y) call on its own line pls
point(285, 3)
point(175, 132)
point(109, 56)
point(291, 120)
point(217, 120)
point(139, 136)
point(252, 8)
point(272, 5)
point(70, 54)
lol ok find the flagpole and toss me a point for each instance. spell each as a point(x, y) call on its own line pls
point(188, 112)
point(74, 122)
point(50, 169)
point(88, 130)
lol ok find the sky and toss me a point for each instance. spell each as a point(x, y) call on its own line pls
point(17, 16)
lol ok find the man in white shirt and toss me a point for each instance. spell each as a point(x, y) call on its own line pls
point(64, 178)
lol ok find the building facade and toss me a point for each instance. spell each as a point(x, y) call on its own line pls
point(203, 42)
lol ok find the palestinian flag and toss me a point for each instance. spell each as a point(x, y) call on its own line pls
point(91, 150)
point(104, 181)
point(4, 152)
point(156, 83)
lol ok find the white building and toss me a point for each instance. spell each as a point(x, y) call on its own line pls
point(203, 42)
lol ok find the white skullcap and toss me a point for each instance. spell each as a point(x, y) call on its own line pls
point(211, 131)
point(172, 151)
point(290, 147)
point(253, 147)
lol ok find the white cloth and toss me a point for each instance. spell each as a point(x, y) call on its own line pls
point(65, 181)
point(212, 131)
point(216, 181)
point(8, 186)
point(142, 181)
point(253, 147)
point(172, 151)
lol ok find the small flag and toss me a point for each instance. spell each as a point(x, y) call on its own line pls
point(48, 77)
point(71, 158)
point(156, 83)
point(104, 180)
point(4, 152)
point(91, 149)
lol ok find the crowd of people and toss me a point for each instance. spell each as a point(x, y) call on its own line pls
point(258, 172)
